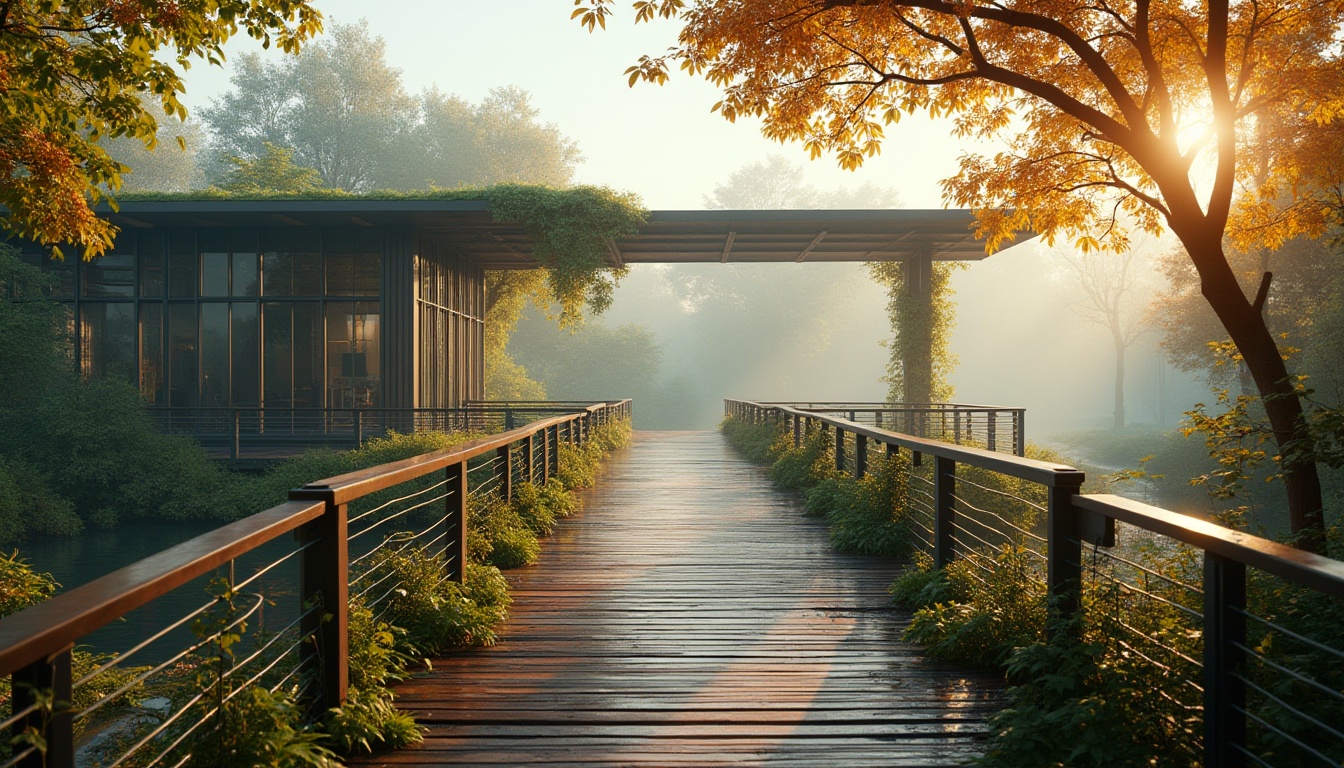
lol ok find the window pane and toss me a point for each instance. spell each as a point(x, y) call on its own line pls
point(151, 352)
point(293, 263)
point(353, 264)
point(353, 349)
point(245, 274)
point(107, 340)
point(182, 361)
point(277, 274)
point(278, 355)
point(215, 355)
point(182, 267)
point(151, 264)
point(246, 355)
point(110, 275)
point(308, 355)
point(214, 274)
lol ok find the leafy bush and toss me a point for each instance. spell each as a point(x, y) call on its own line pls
point(754, 440)
point(436, 613)
point(871, 519)
point(29, 506)
point(258, 727)
point(498, 535)
point(578, 467)
point(803, 467)
point(996, 605)
point(369, 720)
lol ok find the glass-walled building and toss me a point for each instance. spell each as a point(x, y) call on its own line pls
point(250, 315)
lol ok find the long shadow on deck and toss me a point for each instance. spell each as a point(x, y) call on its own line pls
point(690, 615)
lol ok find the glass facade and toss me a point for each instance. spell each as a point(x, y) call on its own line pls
point(278, 318)
point(449, 311)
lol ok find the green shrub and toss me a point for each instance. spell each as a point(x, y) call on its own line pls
point(803, 467)
point(578, 466)
point(755, 441)
point(260, 728)
point(497, 534)
point(435, 613)
point(997, 605)
point(369, 720)
point(921, 585)
point(29, 506)
point(1080, 706)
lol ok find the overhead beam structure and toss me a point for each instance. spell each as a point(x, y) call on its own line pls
point(668, 237)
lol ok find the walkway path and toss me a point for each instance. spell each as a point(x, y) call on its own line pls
point(691, 616)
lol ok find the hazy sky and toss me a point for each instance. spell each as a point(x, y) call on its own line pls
point(659, 141)
point(1018, 343)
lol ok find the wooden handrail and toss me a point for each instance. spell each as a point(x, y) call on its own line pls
point(1042, 472)
point(35, 633)
point(1323, 574)
point(353, 485)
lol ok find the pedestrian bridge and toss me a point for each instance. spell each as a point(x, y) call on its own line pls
point(690, 615)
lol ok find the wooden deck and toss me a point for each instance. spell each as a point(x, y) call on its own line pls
point(691, 616)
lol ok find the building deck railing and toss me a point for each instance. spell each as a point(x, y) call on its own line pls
point(297, 594)
point(1230, 623)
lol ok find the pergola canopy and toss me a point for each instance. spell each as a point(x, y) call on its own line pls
point(669, 237)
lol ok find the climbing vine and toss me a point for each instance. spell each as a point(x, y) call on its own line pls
point(911, 325)
point(571, 229)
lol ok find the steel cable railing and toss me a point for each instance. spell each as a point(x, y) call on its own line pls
point(1234, 638)
point(279, 607)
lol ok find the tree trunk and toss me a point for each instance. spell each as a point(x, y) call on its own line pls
point(1246, 325)
point(1119, 422)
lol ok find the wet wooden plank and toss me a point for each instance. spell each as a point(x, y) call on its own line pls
point(691, 616)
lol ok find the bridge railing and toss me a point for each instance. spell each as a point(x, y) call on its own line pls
point(998, 428)
point(284, 579)
point(262, 433)
point(1237, 634)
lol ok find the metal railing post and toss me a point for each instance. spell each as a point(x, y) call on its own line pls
point(797, 430)
point(991, 430)
point(455, 522)
point(324, 592)
point(545, 455)
point(860, 456)
point(1019, 433)
point(236, 439)
point(504, 471)
point(1064, 558)
point(1224, 635)
point(877, 418)
point(57, 727)
point(839, 449)
point(359, 428)
point(528, 462)
point(555, 450)
point(945, 511)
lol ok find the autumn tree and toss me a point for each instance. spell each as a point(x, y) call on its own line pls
point(1143, 109)
point(77, 72)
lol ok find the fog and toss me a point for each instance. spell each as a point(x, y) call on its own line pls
point(815, 332)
